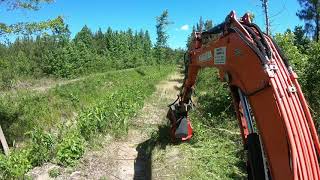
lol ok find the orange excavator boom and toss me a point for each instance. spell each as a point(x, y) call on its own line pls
point(284, 143)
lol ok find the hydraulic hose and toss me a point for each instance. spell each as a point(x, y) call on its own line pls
point(215, 30)
point(252, 46)
point(256, 40)
point(263, 39)
point(283, 57)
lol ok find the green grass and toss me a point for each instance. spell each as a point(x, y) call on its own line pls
point(216, 150)
point(58, 124)
point(23, 111)
point(214, 153)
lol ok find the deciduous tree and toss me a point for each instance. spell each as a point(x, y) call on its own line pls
point(27, 28)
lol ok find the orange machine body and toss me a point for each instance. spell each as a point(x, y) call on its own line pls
point(286, 129)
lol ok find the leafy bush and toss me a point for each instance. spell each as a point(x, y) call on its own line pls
point(70, 149)
point(296, 59)
point(7, 80)
point(213, 97)
point(312, 85)
point(114, 110)
point(92, 121)
point(42, 147)
point(22, 112)
point(15, 165)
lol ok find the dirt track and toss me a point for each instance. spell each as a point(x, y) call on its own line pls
point(126, 158)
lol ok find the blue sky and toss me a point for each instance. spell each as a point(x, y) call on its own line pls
point(140, 14)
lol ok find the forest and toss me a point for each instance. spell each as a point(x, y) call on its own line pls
point(63, 95)
point(56, 55)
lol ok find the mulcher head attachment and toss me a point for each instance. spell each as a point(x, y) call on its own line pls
point(180, 124)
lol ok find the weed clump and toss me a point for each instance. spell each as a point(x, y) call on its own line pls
point(70, 149)
point(41, 148)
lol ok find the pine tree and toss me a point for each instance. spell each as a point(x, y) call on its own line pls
point(162, 36)
point(109, 39)
point(310, 13)
point(300, 40)
point(85, 36)
point(200, 25)
point(147, 48)
point(99, 42)
point(55, 55)
point(190, 37)
point(208, 25)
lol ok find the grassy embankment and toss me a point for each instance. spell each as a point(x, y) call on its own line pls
point(57, 125)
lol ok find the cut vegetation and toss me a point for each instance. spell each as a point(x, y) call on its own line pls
point(215, 151)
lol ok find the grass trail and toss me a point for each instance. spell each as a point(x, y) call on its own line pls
point(127, 157)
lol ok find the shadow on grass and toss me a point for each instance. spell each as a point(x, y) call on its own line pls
point(143, 162)
point(161, 139)
point(139, 71)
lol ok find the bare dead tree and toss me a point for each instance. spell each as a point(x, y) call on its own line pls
point(265, 8)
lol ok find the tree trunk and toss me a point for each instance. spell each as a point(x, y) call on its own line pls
point(266, 14)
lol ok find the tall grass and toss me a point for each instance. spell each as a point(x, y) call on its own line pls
point(216, 150)
point(59, 123)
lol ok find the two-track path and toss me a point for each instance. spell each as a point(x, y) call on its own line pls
point(122, 159)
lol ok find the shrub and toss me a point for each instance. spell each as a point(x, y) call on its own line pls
point(312, 85)
point(214, 96)
point(54, 172)
point(42, 147)
point(7, 80)
point(15, 165)
point(70, 149)
point(296, 59)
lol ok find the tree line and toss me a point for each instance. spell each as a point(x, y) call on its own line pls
point(46, 49)
point(57, 54)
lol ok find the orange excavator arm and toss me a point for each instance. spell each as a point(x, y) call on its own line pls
point(283, 143)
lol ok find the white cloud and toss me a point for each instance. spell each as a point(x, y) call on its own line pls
point(184, 27)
